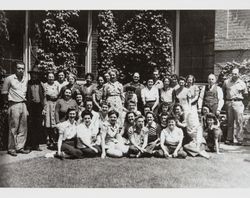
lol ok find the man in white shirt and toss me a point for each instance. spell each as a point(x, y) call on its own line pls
point(235, 90)
point(158, 83)
point(212, 96)
point(14, 92)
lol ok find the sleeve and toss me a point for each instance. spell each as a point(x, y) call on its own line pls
point(181, 136)
point(220, 98)
point(143, 93)
point(6, 86)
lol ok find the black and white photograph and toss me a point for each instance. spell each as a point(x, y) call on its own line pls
point(125, 98)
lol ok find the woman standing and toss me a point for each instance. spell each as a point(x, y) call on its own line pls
point(61, 80)
point(72, 85)
point(113, 93)
point(150, 95)
point(194, 93)
point(88, 88)
point(183, 96)
point(51, 92)
point(167, 93)
point(98, 93)
point(111, 140)
point(63, 104)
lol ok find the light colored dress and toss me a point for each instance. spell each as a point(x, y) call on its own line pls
point(113, 92)
point(183, 97)
point(111, 132)
point(194, 96)
point(51, 93)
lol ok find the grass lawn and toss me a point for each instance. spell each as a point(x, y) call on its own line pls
point(227, 170)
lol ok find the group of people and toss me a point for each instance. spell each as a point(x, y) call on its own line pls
point(169, 116)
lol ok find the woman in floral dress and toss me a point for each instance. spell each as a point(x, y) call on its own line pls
point(51, 93)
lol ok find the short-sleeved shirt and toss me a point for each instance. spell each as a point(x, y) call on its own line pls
point(234, 90)
point(137, 134)
point(67, 129)
point(15, 89)
point(110, 131)
point(172, 137)
point(86, 134)
point(150, 94)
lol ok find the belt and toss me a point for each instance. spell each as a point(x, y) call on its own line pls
point(234, 100)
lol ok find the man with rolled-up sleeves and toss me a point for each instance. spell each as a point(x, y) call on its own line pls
point(14, 91)
point(235, 89)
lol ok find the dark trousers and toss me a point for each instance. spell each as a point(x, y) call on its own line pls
point(88, 152)
point(34, 125)
point(180, 154)
point(69, 148)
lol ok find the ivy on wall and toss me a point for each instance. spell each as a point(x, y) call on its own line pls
point(140, 43)
point(58, 41)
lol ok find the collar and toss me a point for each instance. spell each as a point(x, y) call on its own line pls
point(15, 77)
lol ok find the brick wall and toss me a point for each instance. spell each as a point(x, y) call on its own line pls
point(232, 30)
point(232, 37)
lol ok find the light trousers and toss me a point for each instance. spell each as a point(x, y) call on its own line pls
point(17, 118)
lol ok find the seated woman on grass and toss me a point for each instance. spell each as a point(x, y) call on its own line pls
point(154, 131)
point(67, 137)
point(138, 136)
point(111, 140)
point(129, 121)
point(171, 141)
point(88, 140)
point(212, 133)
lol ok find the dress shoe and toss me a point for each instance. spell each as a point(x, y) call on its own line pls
point(12, 153)
point(22, 151)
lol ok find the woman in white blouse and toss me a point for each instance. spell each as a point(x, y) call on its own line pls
point(150, 95)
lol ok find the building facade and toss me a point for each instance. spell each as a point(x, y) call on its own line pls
point(203, 39)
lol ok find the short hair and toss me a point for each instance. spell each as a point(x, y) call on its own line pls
point(212, 75)
point(69, 110)
point(191, 76)
point(211, 115)
point(88, 100)
point(63, 93)
point(169, 79)
point(130, 88)
point(138, 117)
point(150, 112)
point(113, 112)
point(86, 112)
point(126, 117)
point(19, 63)
point(177, 105)
point(171, 118)
point(104, 102)
point(89, 74)
point(182, 78)
point(61, 71)
point(72, 75)
point(175, 76)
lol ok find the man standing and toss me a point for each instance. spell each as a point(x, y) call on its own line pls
point(14, 92)
point(212, 96)
point(138, 87)
point(234, 89)
point(157, 82)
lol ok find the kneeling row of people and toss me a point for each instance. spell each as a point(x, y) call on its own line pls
point(83, 140)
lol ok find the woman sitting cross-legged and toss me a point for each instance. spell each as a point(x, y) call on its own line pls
point(111, 140)
point(67, 137)
point(88, 140)
point(171, 141)
point(138, 136)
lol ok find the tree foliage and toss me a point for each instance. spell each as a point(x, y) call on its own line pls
point(4, 34)
point(59, 40)
point(142, 42)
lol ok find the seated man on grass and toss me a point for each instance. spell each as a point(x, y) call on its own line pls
point(171, 141)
